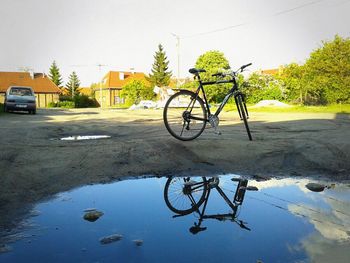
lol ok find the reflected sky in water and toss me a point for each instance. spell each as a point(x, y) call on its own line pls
point(288, 223)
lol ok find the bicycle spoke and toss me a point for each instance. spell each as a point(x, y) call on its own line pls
point(180, 113)
point(182, 195)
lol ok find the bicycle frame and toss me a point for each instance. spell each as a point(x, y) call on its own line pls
point(233, 92)
point(237, 201)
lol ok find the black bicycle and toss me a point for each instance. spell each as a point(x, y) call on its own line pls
point(186, 114)
point(184, 195)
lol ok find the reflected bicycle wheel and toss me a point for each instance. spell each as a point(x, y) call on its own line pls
point(184, 195)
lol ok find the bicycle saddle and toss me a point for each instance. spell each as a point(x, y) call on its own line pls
point(196, 229)
point(196, 71)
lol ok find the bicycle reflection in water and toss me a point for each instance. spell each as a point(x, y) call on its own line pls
point(186, 195)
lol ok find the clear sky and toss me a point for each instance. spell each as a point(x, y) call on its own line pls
point(80, 34)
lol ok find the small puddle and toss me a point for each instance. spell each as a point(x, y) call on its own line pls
point(84, 137)
point(150, 220)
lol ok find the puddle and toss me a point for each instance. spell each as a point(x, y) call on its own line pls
point(136, 222)
point(84, 137)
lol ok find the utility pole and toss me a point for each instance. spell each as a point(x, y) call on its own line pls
point(178, 58)
point(100, 84)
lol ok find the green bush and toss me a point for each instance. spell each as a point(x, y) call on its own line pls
point(262, 87)
point(1, 107)
point(52, 104)
point(65, 98)
point(66, 104)
point(83, 101)
point(136, 90)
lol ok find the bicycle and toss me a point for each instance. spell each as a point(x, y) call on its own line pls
point(186, 114)
point(184, 195)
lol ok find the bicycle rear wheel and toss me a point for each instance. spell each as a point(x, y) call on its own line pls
point(184, 195)
point(185, 116)
point(242, 111)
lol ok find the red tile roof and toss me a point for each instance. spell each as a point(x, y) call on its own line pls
point(270, 71)
point(38, 81)
point(114, 79)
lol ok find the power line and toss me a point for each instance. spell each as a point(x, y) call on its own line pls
point(296, 8)
point(217, 30)
point(282, 12)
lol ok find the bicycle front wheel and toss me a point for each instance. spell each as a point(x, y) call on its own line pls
point(242, 110)
point(184, 195)
point(185, 116)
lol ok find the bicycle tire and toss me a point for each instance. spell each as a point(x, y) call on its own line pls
point(179, 112)
point(243, 114)
point(180, 202)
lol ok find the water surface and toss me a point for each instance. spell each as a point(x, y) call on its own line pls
point(286, 222)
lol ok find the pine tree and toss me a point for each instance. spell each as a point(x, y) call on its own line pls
point(54, 74)
point(73, 85)
point(160, 76)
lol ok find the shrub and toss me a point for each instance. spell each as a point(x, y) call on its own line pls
point(66, 104)
point(83, 101)
point(135, 91)
point(52, 104)
point(65, 98)
point(262, 87)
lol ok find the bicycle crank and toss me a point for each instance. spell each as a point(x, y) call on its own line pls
point(214, 122)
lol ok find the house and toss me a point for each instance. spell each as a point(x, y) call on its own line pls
point(271, 72)
point(107, 93)
point(85, 91)
point(45, 90)
point(176, 83)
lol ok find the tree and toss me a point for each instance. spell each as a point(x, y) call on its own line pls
point(136, 90)
point(160, 74)
point(213, 62)
point(73, 84)
point(262, 87)
point(292, 78)
point(327, 72)
point(54, 74)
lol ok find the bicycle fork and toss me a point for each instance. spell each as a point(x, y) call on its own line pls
point(243, 103)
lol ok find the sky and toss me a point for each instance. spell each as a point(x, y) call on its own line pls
point(122, 35)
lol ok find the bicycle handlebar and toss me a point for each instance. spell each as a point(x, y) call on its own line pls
point(247, 65)
point(230, 72)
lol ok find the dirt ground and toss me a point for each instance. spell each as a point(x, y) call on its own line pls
point(35, 164)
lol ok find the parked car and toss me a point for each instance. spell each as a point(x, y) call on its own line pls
point(20, 99)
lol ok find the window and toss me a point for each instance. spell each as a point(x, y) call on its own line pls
point(21, 92)
point(118, 100)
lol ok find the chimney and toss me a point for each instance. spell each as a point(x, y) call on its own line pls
point(121, 75)
point(31, 73)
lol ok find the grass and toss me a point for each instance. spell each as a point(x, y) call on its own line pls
point(336, 108)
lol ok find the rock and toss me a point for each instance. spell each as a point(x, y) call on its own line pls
point(4, 248)
point(138, 242)
point(92, 216)
point(110, 239)
point(315, 187)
